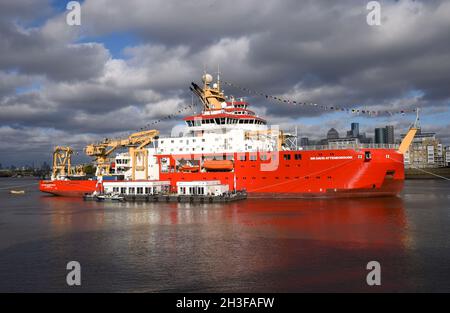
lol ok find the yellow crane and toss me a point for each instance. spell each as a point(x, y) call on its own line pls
point(136, 143)
point(62, 158)
point(406, 142)
point(62, 163)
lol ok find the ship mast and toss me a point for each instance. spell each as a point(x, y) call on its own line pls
point(210, 95)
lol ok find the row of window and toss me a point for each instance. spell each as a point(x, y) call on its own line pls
point(181, 141)
point(297, 156)
point(192, 190)
point(135, 190)
point(264, 157)
point(264, 177)
point(252, 157)
point(224, 120)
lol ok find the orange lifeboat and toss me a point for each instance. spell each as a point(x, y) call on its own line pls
point(218, 165)
point(189, 169)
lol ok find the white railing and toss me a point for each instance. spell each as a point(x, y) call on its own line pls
point(351, 146)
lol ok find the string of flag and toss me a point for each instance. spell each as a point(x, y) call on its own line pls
point(320, 106)
point(151, 125)
point(169, 116)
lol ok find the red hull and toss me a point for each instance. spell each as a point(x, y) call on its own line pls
point(315, 173)
point(68, 188)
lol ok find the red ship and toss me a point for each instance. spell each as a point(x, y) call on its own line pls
point(229, 143)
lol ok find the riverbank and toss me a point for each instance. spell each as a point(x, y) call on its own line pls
point(412, 173)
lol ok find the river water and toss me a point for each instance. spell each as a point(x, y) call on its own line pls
point(256, 245)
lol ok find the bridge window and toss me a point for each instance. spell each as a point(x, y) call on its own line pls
point(287, 157)
point(298, 156)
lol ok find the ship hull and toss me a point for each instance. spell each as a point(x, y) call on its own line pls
point(315, 173)
point(68, 188)
point(342, 173)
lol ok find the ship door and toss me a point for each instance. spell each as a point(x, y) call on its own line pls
point(367, 156)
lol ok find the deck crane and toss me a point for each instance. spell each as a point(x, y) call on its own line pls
point(62, 163)
point(62, 156)
point(406, 142)
point(136, 143)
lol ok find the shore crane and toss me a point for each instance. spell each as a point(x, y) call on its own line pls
point(136, 143)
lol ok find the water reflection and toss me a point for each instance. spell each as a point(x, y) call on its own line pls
point(363, 221)
point(252, 245)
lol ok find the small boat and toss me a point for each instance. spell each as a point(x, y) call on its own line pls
point(89, 196)
point(17, 192)
point(218, 165)
point(109, 197)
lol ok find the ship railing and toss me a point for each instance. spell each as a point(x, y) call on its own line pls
point(349, 146)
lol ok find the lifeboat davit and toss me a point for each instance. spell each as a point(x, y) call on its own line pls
point(218, 165)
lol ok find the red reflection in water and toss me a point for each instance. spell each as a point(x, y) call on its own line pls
point(255, 244)
point(363, 221)
point(68, 213)
point(324, 245)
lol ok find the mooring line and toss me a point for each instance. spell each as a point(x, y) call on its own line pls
point(419, 169)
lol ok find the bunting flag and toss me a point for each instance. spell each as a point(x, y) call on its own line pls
point(161, 119)
point(170, 116)
point(324, 107)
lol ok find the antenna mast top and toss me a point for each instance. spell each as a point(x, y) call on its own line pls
point(417, 121)
point(218, 77)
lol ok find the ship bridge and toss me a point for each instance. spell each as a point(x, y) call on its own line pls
point(219, 111)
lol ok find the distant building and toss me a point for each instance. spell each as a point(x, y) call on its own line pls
point(447, 156)
point(380, 135)
point(425, 151)
point(385, 135)
point(343, 142)
point(304, 141)
point(332, 134)
point(354, 133)
point(363, 139)
point(355, 130)
point(390, 138)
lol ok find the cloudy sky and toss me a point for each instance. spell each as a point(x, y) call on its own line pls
point(131, 62)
